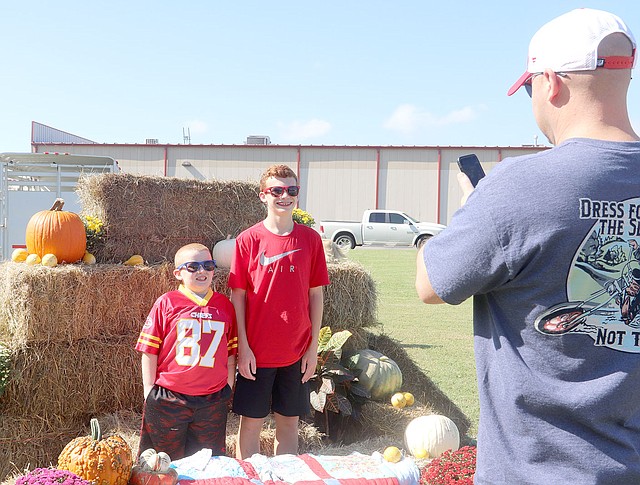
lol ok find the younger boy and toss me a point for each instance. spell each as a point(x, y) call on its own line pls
point(188, 345)
point(277, 274)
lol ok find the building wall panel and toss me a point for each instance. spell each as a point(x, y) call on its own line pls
point(409, 182)
point(338, 182)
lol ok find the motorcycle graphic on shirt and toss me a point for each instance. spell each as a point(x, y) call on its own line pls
point(603, 285)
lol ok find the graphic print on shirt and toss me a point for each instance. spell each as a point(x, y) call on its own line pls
point(603, 285)
point(190, 350)
point(267, 260)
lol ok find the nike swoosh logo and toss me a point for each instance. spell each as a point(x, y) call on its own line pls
point(266, 260)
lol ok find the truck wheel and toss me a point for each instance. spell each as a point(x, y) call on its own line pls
point(422, 239)
point(345, 241)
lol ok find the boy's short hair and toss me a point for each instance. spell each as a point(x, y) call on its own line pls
point(177, 259)
point(280, 171)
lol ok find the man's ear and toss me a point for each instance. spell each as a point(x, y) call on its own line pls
point(263, 197)
point(553, 84)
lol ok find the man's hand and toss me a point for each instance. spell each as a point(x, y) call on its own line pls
point(466, 186)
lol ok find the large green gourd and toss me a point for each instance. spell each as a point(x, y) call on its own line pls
point(379, 375)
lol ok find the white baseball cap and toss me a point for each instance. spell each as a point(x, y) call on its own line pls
point(570, 43)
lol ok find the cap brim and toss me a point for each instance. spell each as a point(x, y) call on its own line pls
point(518, 84)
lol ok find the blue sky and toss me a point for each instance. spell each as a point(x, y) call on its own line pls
point(302, 72)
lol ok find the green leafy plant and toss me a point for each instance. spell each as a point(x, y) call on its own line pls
point(303, 217)
point(334, 388)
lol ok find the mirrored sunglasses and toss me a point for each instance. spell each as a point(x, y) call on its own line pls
point(194, 266)
point(277, 191)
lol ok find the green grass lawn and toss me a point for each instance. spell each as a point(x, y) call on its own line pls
point(439, 338)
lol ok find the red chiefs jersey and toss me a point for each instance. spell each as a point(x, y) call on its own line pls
point(277, 273)
point(193, 337)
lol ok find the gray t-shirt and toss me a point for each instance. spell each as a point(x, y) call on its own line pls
point(548, 245)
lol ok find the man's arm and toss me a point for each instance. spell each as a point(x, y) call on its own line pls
point(149, 368)
point(316, 309)
point(423, 285)
point(246, 359)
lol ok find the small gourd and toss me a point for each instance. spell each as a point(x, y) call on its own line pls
point(32, 260)
point(88, 258)
point(101, 461)
point(49, 260)
point(19, 255)
point(134, 260)
point(433, 434)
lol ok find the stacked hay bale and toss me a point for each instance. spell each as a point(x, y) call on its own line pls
point(154, 216)
point(71, 330)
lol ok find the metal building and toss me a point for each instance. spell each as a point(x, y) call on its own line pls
point(337, 182)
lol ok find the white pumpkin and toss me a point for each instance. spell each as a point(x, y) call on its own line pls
point(380, 375)
point(434, 434)
point(153, 461)
point(223, 252)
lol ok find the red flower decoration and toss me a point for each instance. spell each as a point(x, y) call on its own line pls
point(451, 468)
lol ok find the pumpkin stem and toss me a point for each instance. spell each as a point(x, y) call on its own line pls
point(57, 205)
point(95, 430)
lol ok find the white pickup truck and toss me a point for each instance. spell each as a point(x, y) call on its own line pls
point(385, 227)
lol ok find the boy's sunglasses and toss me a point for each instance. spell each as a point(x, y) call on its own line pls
point(277, 191)
point(194, 266)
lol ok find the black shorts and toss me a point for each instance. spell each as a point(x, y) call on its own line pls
point(181, 425)
point(277, 389)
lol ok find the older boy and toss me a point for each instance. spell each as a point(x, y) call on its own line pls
point(277, 275)
point(188, 346)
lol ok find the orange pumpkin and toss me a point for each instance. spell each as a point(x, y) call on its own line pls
point(101, 461)
point(57, 232)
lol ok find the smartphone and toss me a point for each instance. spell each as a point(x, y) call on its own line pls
point(470, 166)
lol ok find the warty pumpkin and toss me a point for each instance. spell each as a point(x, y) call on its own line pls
point(105, 461)
point(57, 232)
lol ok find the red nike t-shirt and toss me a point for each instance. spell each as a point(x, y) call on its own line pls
point(193, 338)
point(277, 272)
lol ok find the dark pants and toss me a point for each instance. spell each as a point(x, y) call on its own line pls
point(182, 425)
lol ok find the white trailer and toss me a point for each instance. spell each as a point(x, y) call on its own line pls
point(31, 182)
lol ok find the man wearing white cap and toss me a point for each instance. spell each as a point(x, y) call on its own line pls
point(542, 244)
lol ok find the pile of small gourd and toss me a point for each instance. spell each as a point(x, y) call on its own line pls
point(56, 236)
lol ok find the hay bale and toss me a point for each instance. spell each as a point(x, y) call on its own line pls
point(31, 442)
point(74, 379)
point(74, 301)
point(154, 216)
point(351, 300)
